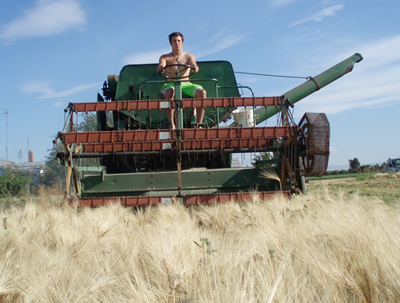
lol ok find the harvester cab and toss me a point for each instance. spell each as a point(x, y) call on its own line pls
point(141, 161)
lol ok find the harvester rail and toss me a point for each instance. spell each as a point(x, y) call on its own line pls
point(167, 152)
point(128, 105)
point(138, 201)
point(192, 139)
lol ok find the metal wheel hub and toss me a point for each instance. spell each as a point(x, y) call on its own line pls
point(314, 141)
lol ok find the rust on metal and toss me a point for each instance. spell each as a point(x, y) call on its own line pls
point(192, 139)
point(187, 133)
point(128, 105)
point(316, 82)
point(188, 200)
point(233, 196)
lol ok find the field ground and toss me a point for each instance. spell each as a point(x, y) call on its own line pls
point(385, 187)
point(338, 243)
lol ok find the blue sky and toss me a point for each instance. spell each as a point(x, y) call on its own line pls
point(53, 52)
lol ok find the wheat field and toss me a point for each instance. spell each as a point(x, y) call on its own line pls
point(317, 247)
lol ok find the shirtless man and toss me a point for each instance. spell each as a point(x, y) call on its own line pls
point(178, 56)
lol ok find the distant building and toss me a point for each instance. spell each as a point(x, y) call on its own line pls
point(33, 169)
point(4, 163)
point(235, 162)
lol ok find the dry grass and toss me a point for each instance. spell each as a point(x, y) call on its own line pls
point(314, 248)
point(385, 187)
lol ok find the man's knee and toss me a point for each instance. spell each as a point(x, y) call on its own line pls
point(169, 93)
point(201, 93)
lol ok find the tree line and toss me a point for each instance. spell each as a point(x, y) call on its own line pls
point(354, 165)
point(15, 182)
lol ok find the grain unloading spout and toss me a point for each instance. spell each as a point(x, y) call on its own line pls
point(312, 85)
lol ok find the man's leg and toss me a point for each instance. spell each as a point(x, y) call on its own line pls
point(169, 95)
point(200, 93)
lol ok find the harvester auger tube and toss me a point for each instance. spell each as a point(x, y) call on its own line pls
point(312, 85)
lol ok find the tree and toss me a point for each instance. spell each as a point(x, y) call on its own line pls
point(354, 165)
point(88, 124)
point(54, 172)
point(14, 182)
point(262, 157)
point(377, 167)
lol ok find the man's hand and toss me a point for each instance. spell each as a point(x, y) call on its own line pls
point(161, 64)
point(160, 68)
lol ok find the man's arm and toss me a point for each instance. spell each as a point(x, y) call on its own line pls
point(161, 64)
point(193, 63)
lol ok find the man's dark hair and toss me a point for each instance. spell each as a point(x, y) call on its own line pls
point(175, 34)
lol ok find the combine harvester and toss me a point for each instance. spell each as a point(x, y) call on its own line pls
point(142, 162)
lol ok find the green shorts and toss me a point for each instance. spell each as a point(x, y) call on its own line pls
point(188, 88)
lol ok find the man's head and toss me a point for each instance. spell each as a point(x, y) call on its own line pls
point(175, 34)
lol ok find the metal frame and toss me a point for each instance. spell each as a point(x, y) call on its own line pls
point(180, 141)
point(188, 200)
point(128, 105)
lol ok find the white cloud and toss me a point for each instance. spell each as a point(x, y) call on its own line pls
point(281, 2)
point(373, 83)
point(382, 52)
point(58, 104)
point(45, 92)
point(146, 57)
point(46, 18)
point(326, 12)
point(220, 41)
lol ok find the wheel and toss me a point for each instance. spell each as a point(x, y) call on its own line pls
point(314, 136)
point(164, 73)
point(307, 158)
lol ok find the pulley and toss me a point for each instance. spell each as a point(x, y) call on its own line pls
point(314, 136)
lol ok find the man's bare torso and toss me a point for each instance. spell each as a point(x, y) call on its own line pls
point(184, 58)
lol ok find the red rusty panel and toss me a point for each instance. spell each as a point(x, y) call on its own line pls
point(186, 103)
point(230, 102)
point(192, 139)
point(226, 143)
point(123, 147)
point(187, 134)
point(117, 106)
point(236, 132)
point(113, 136)
point(227, 197)
point(188, 200)
point(205, 144)
point(126, 201)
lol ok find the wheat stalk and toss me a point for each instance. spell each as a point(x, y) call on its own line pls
point(271, 174)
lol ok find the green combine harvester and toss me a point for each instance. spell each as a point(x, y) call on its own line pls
point(141, 161)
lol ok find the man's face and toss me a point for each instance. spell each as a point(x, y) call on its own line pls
point(176, 42)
